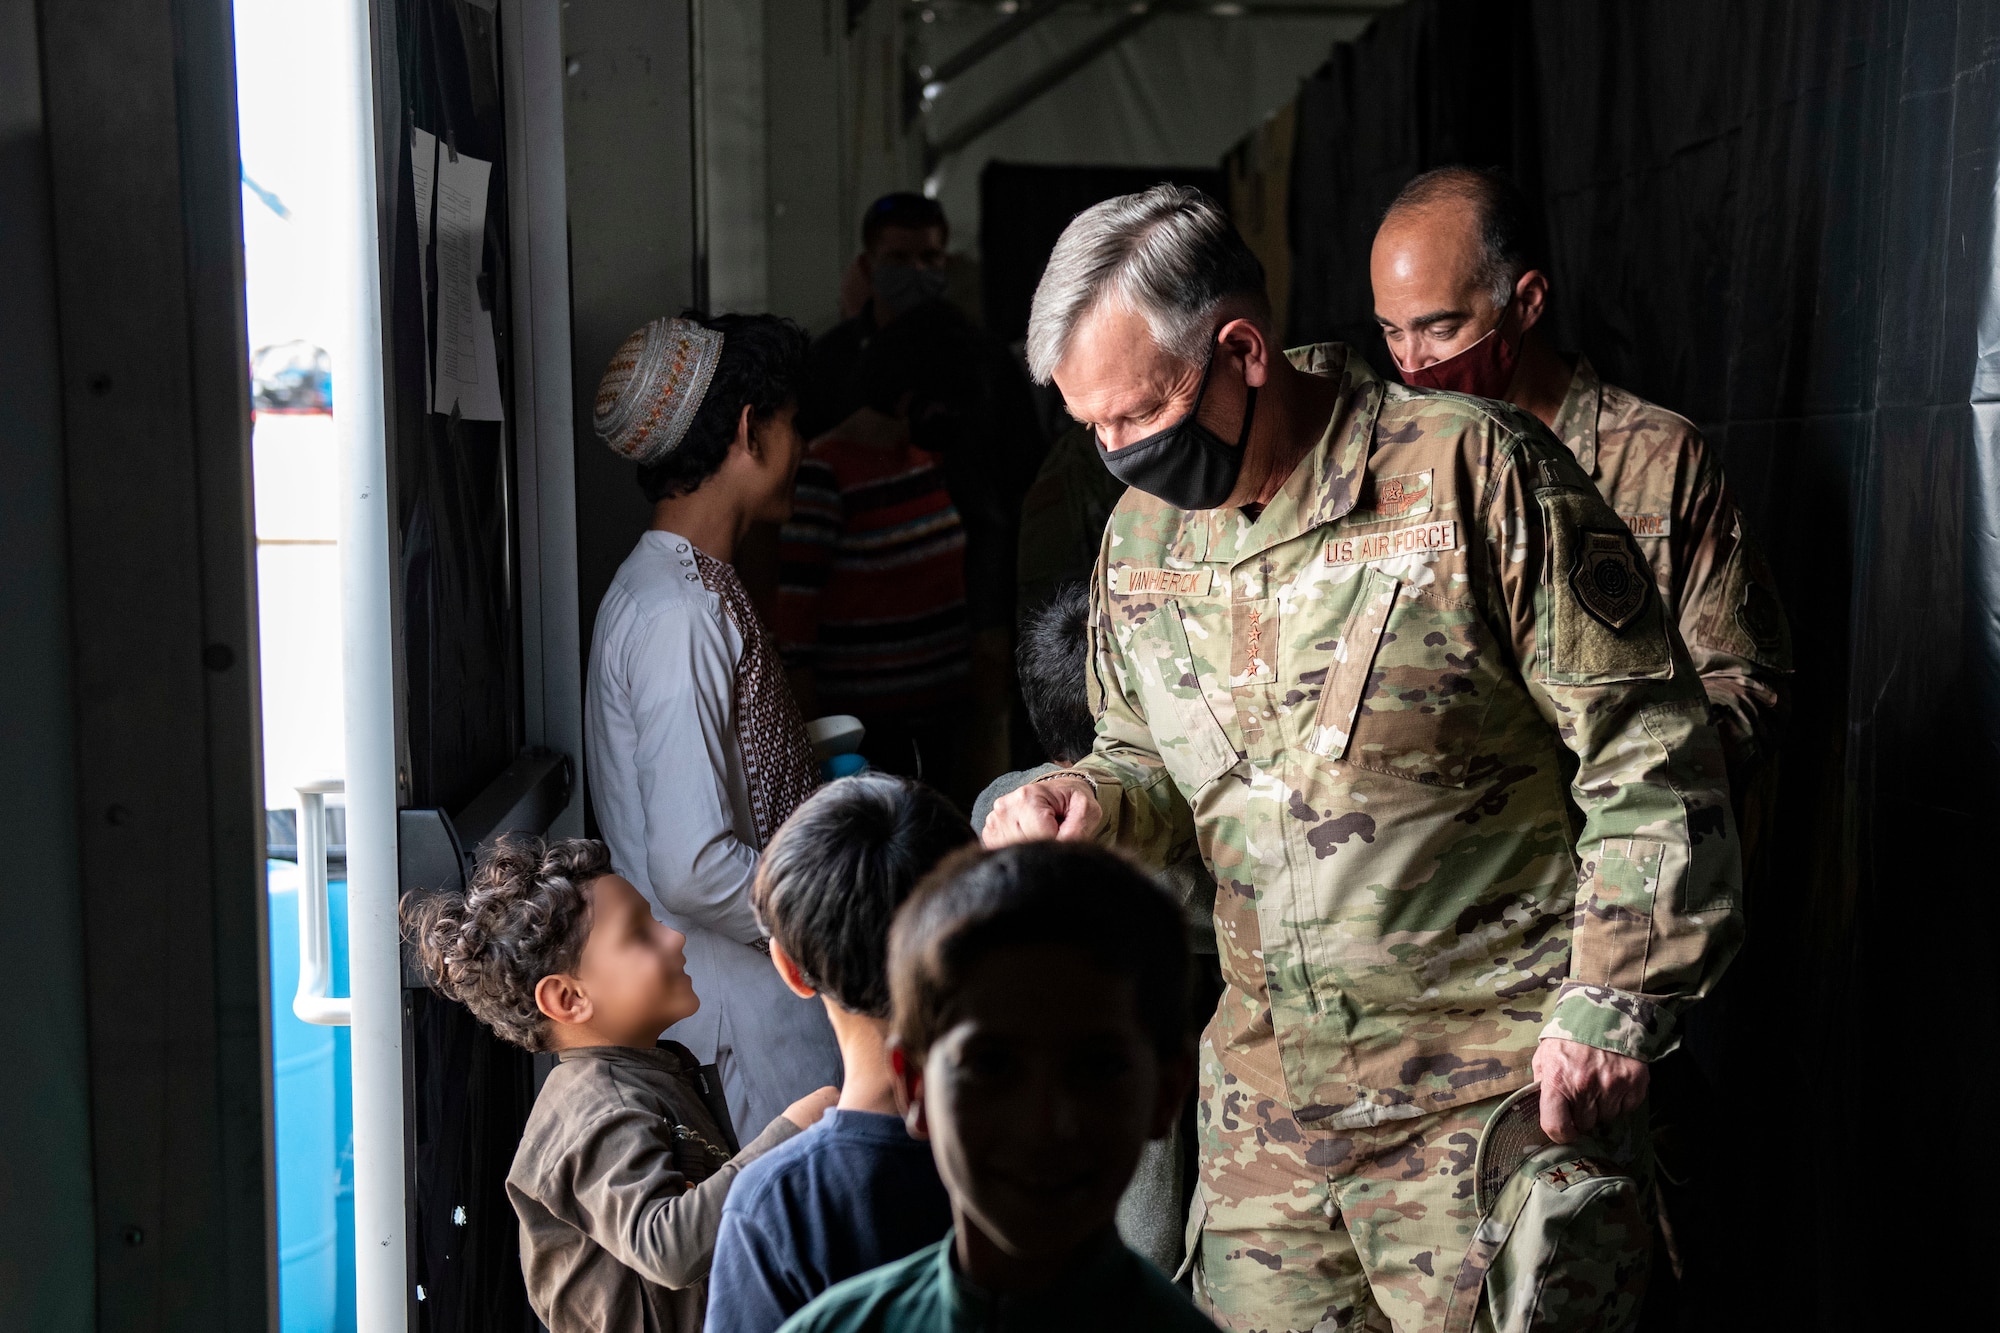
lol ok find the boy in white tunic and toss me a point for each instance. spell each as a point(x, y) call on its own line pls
point(695, 750)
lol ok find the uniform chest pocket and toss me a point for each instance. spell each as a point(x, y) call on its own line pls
point(1409, 687)
point(1171, 666)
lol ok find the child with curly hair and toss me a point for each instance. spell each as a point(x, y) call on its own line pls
point(622, 1170)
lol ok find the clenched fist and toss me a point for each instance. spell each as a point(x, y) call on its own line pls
point(1583, 1087)
point(1064, 808)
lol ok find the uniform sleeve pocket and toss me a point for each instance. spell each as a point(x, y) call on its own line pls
point(1353, 655)
point(1192, 744)
point(1615, 933)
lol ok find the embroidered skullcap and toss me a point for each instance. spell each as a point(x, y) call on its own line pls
point(654, 386)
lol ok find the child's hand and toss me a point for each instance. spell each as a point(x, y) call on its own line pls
point(806, 1111)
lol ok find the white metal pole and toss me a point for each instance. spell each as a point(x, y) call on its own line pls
point(374, 959)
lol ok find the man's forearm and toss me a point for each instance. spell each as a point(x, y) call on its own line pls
point(1657, 914)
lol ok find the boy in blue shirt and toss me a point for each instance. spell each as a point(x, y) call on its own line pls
point(858, 1191)
point(1039, 1041)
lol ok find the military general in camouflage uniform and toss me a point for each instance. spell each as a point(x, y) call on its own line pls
point(1460, 290)
point(1358, 671)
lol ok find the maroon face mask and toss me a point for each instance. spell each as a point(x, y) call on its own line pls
point(1484, 369)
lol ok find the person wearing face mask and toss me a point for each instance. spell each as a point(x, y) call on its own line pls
point(901, 267)
point(1365, 645)
point(1461, 289)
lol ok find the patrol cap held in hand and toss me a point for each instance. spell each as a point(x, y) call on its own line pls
point(1565, 1232)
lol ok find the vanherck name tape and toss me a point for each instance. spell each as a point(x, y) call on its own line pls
point(1421, 539)
point(1131, 579)
point(1649, 525)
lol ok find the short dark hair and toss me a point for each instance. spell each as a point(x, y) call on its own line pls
point(1051, 660)
point(1512, 239)
point(1063, 893)
point(830, 882)
point(763, 362)
point(902, 209)
point(524, 916)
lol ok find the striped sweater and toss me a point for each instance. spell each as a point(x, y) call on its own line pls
point(871, 592)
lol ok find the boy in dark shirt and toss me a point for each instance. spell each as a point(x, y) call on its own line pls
point(1052, 665)
point(622, 1169)
point(858, 1191)
point(1040, 1039)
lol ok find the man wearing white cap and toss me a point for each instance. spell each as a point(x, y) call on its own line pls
point(695, 749)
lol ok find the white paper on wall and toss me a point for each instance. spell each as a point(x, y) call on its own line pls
point(467, 372)
point(423, 174)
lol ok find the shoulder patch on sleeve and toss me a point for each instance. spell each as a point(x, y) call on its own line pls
point(1604, 617)
point(1743, 616)
point(1608, 579)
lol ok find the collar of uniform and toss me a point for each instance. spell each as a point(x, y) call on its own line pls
point(1327, 481)
point(1576, 424)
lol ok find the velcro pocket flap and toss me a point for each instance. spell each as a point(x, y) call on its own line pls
point(1190, 740)
point(1353, 655)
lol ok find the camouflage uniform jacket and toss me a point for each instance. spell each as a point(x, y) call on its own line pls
point(1364, 702)
point(1655, 469)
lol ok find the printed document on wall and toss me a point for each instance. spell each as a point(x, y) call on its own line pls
point(423, 175)
point(467, 373)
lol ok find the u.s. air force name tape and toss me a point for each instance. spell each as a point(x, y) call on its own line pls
point(1421, 539)
point(1649, 525)
point(1418, 539)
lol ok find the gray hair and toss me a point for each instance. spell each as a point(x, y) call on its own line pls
point(1169, 254)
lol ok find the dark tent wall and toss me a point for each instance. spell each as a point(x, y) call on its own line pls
point(1023, 208)
point(1777, 219)
point(467, 1093)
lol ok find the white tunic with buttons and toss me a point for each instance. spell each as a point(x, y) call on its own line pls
point(667, 781)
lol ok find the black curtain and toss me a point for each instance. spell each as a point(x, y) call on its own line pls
point(1777, 219)
point(1023, 208)
point(462, 692)
point(467, 1093)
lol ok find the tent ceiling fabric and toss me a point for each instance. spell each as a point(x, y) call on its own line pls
point(1180, 89)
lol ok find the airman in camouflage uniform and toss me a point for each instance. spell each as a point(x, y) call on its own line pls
point(1461, 291)
point(1657, 471)
point(1363, 698)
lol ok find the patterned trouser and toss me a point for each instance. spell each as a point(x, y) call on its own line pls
point(1305, 1229)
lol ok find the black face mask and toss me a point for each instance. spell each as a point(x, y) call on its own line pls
point(1187, 464)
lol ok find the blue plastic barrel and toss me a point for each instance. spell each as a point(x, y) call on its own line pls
point(303, 1095)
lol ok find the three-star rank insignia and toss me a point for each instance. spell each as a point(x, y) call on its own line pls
point(1609, 580)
